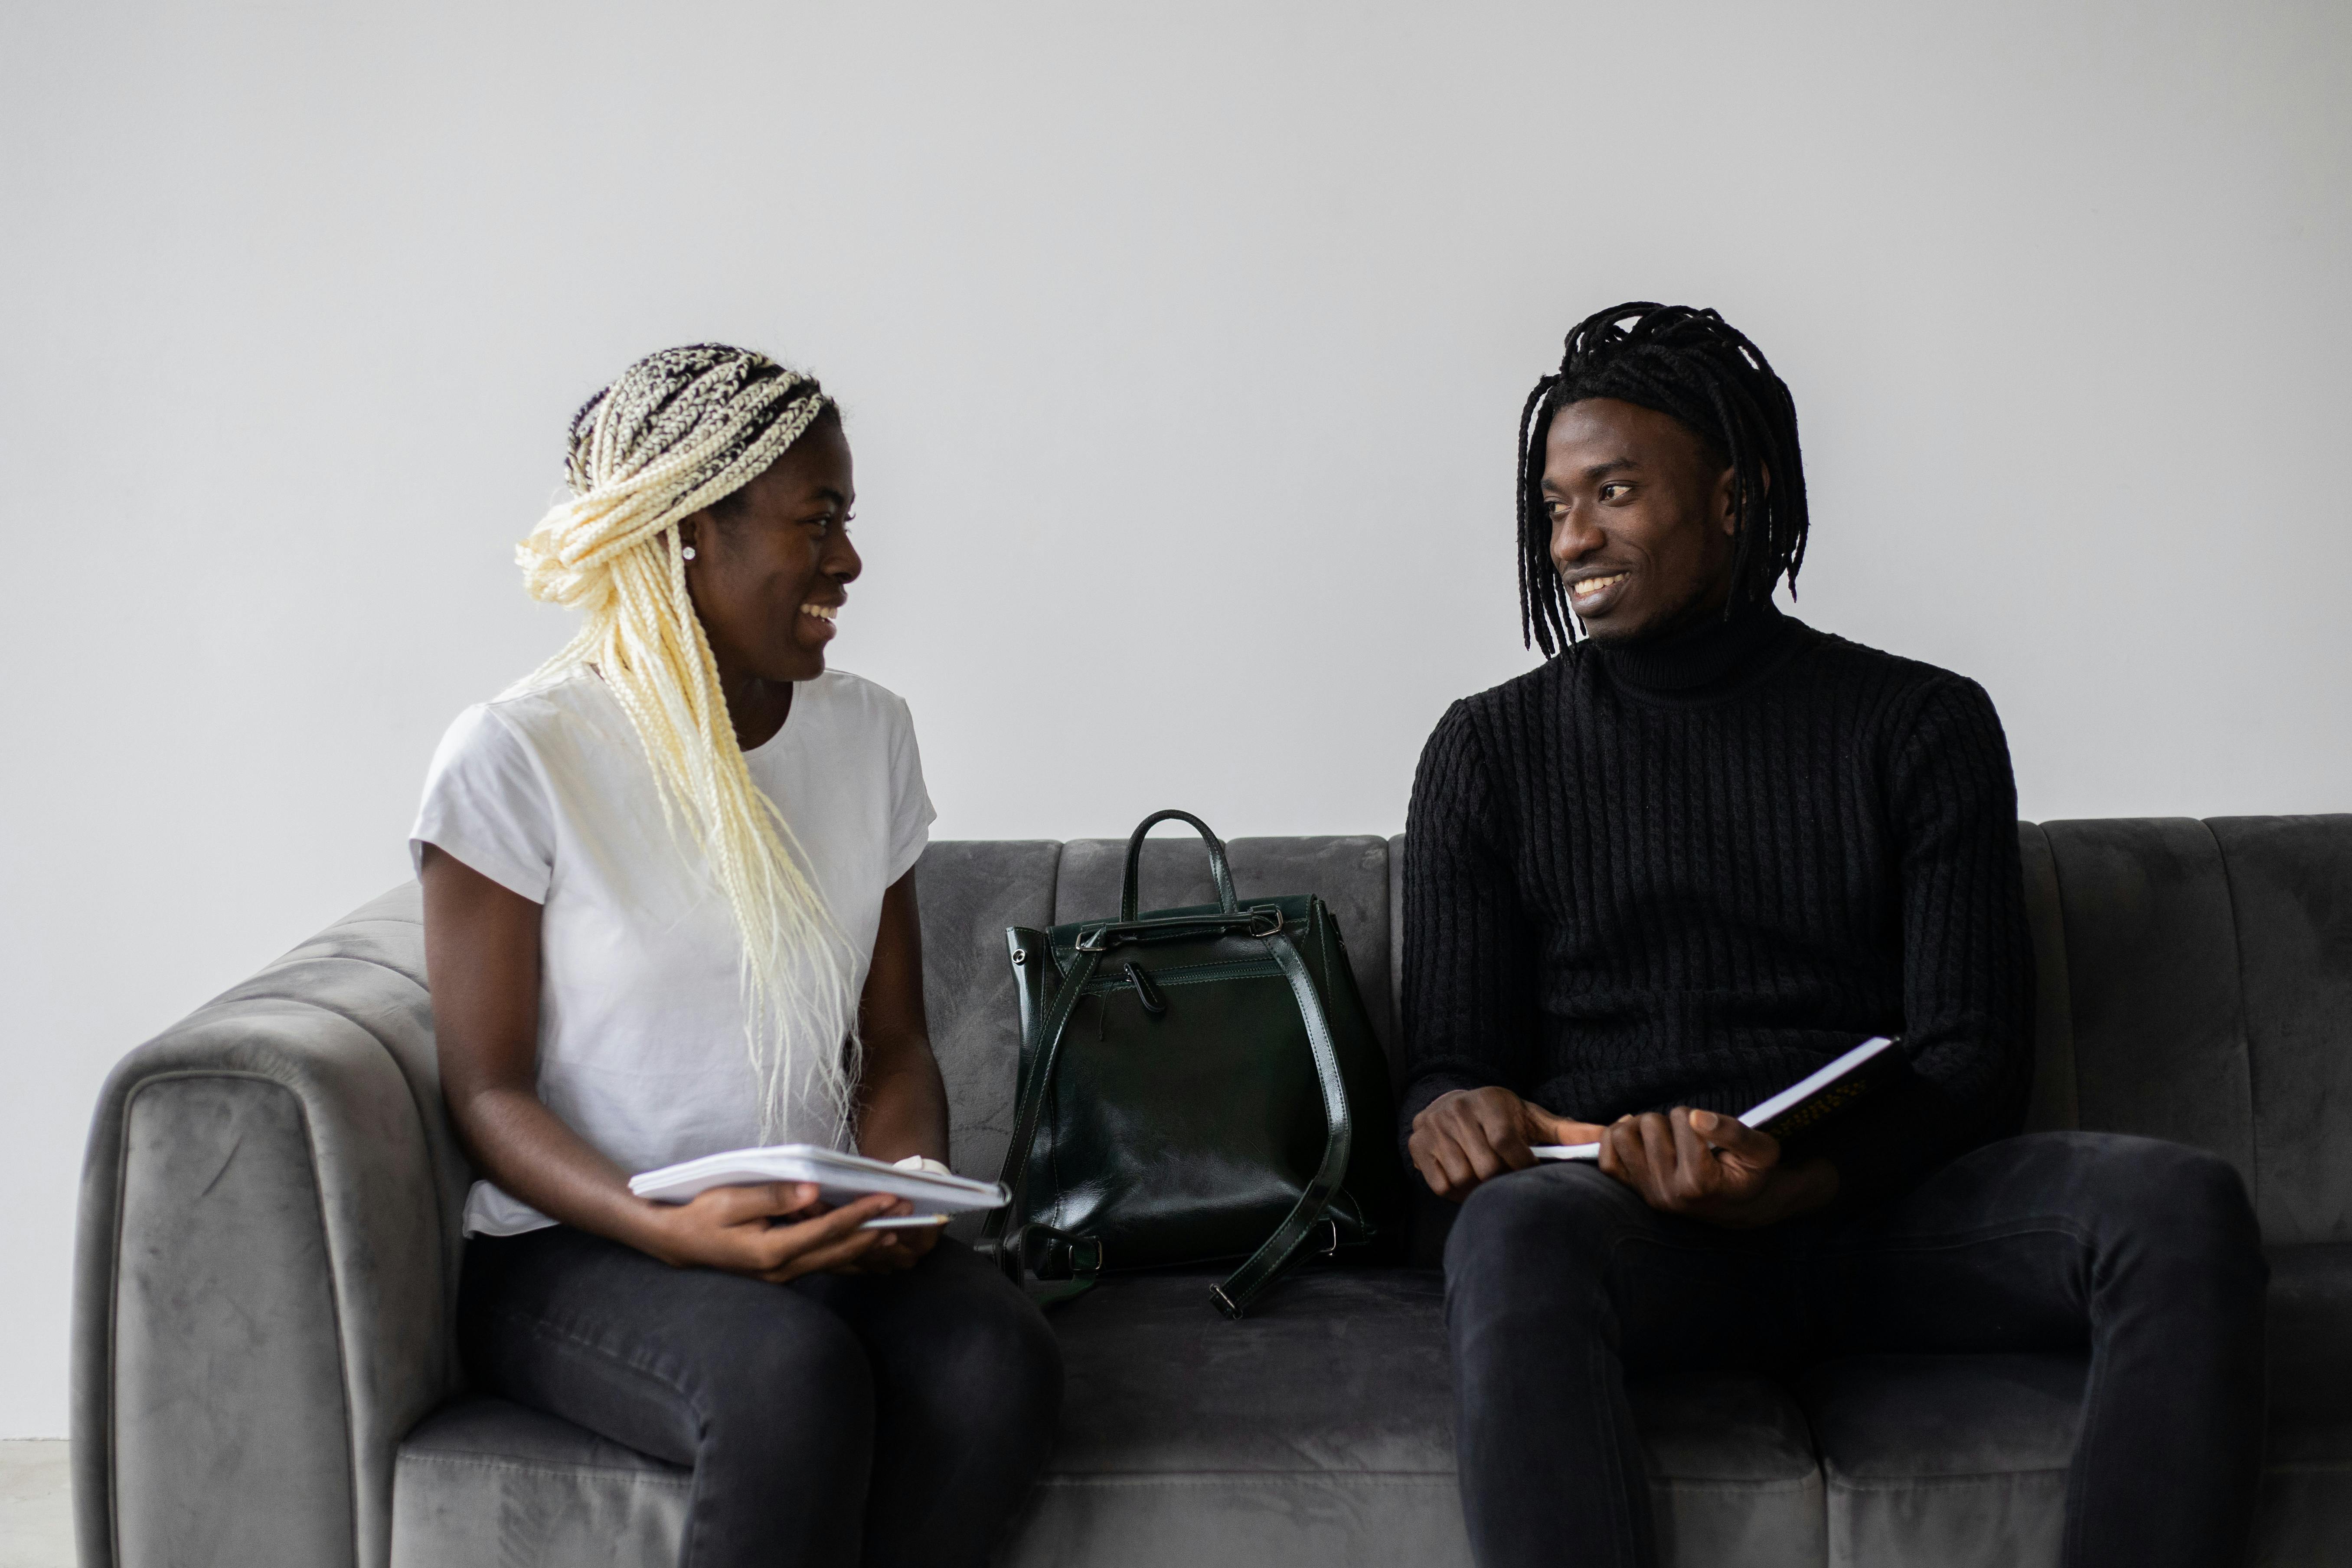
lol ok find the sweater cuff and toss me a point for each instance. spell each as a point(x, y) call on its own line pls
point(1427, 1088)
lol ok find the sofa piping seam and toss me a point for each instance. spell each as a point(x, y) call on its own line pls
point(2065, 947)
point(546, 1466)
point(1884, 1484)
point(1249, 1478)
point(2309, 1467)
point(2245, 1030)
point(1388, 1477)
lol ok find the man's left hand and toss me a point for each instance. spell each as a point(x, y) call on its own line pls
point(1705, 1166)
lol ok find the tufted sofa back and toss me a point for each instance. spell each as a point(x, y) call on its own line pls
point(2196, 983)
point(2195, 978)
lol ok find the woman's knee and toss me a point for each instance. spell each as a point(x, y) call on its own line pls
point(784, 1378)
point(994, 1360)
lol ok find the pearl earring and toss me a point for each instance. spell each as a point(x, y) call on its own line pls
point(687, 552)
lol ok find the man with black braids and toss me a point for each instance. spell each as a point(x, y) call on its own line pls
point(1700, 852)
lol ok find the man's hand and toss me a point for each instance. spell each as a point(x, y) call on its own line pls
point(1706, 1166)
point(1474, 1135)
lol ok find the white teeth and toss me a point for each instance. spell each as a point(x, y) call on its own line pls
point(822, 612)
point(1591, 585)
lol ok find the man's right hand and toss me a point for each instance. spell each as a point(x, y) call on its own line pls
point(1474, 1135)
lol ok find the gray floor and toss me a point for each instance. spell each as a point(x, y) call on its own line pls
point(36, 1505)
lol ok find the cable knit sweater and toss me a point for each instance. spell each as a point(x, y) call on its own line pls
point(1691, 873)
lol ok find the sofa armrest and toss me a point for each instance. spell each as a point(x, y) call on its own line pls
point(260, 1300)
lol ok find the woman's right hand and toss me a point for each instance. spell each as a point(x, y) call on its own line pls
point(754, 1230)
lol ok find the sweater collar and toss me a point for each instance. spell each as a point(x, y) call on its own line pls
point(1715, 652)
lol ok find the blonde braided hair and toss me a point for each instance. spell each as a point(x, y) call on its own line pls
point(677, 431)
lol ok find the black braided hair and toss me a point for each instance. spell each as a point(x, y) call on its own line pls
point(1692, 366)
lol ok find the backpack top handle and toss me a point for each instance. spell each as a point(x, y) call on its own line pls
point(1221, 872)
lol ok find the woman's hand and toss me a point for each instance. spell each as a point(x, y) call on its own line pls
point(908, 1248)
point(481, 954)
point(776, 1231)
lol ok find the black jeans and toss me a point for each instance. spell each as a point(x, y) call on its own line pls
point(887, 1419)
point(1559, 1280)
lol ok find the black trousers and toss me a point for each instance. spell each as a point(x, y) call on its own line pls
point(1559, 1280)
point(885, 1419)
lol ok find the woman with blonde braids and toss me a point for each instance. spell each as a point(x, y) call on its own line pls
point(669, 910)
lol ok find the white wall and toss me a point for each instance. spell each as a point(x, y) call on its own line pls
point(1182, 347)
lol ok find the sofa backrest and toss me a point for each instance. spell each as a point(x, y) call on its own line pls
point(971, 890)
point(2195, 979)
point(2196, 983)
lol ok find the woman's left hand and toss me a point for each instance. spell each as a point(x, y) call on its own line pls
point(899, 1250)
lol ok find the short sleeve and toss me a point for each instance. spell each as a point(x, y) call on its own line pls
point(911, 815)
point(486, 803)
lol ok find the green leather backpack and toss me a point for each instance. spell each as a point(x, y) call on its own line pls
point(1197, 1086)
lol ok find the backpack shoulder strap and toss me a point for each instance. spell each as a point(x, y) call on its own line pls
point(1266, 1264)
point(1051, 1024)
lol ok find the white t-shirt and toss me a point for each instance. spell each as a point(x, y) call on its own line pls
point(641, 1017)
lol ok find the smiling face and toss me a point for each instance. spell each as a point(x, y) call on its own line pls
point(1642, 518)
point(772, 562)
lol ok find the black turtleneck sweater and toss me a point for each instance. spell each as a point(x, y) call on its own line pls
point(1691, 873)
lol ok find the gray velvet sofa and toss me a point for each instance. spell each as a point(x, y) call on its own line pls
point(262, 1363)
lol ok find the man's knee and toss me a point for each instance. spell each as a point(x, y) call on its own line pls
point(1537, 1224)
point(2168, 1200)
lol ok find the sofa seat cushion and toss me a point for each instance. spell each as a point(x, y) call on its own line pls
point(1954, 1460)
point(1963, 1459)
point(2307, 1511)
point(1321, 1430)
point(1318, 1430)
point(1335, 1371)
point(2311, 1355)
point(482, 1481)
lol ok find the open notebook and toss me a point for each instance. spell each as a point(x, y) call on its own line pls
point(839, 1177)
point(1801, 1107)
